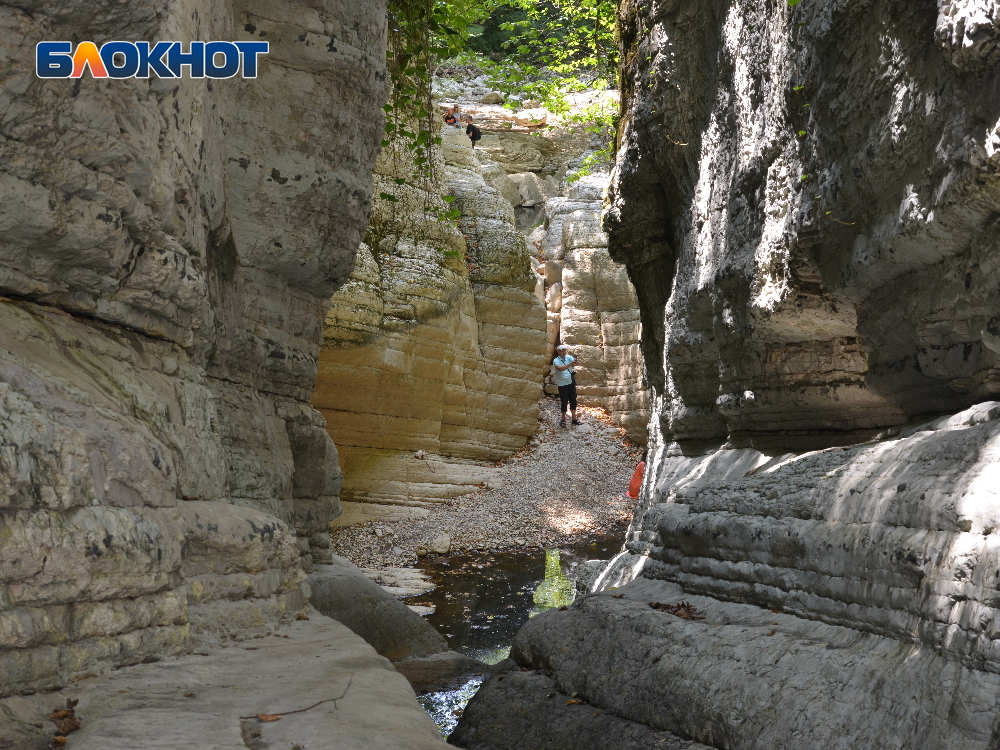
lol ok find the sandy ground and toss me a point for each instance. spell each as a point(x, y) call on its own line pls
point(569, 486)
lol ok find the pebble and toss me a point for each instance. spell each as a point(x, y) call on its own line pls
point(564, 488)
point(441, 544)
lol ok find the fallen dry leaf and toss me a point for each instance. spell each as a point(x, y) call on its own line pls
point(189, 695)
point(62, 713)
point(573, 702)
point(67, 725)
point(59, 740)
point(301, 616)
point(268, 717)
point(618, 596)
point(772, 632)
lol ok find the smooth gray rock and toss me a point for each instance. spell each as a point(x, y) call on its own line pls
point(528, 710)
point(746, 677)
point(199, 701)
point(343, 592)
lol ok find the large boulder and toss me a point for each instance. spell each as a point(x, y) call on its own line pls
point(343, 592)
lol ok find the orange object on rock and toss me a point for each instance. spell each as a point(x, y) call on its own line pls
point(636, 483)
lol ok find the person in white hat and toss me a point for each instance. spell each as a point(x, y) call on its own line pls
point(566, 381)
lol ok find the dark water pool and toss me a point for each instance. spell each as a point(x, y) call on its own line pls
point(483, 599)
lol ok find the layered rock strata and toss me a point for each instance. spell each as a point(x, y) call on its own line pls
point(592, 306)
point(842, 598)
point(167, 252)
point(436, 343)
point(805, 198)
point(190, 702)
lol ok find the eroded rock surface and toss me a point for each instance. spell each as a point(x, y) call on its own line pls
point(437, 342)
point(805, 198)
point(167, 253)
point(845, 598)
point(592, 306)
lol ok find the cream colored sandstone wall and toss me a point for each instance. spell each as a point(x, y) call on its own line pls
point(593, 307)
point(426, 352)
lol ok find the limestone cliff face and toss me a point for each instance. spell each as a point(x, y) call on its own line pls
point(428, 351)
point(167, 252)
point(805, 198)
point(593, 307)
point(842, 598)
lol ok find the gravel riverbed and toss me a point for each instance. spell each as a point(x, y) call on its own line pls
point(569, 486)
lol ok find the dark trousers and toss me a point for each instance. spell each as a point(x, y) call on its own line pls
point(567, 395)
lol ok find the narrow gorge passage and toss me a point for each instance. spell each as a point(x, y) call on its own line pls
point(566, 485)
point(279, 449)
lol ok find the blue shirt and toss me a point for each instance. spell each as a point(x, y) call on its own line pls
point(564, 377)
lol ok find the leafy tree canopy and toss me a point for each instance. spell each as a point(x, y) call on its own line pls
point(532, 49)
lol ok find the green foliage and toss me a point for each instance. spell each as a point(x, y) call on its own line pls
point(560, 46)
point(422, 32)
point(598, 119)
point(490, 39)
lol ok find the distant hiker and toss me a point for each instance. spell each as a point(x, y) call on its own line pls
point(566, 380)
point(636, 484)
point(472, 131)
point(451, 116)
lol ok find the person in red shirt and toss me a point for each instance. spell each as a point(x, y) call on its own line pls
point(636, 484)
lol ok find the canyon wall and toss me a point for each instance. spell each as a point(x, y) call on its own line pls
point(592, 306)
point(167, 253)
point(806, 198)
point(437, 341)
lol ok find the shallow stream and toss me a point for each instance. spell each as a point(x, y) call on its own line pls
point(483, 599)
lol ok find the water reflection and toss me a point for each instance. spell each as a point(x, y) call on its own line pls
point(483, 599)
point(556, 589)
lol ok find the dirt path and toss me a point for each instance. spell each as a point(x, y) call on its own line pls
point(569, 486)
